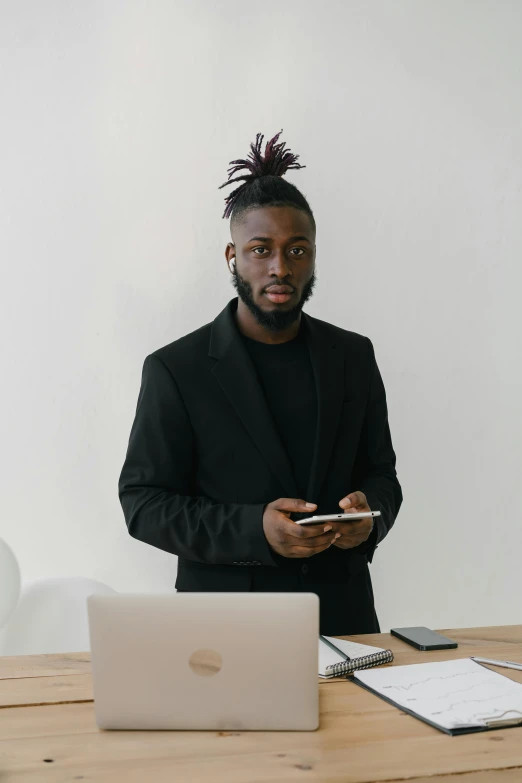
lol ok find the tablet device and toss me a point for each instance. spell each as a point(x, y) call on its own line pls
point(338, 518)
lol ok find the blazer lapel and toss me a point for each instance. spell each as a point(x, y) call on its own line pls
point(328, 366)
point(237, 377)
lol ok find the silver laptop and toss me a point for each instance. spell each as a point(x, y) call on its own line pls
point(225, 661)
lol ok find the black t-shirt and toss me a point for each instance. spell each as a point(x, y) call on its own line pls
point(286, 376)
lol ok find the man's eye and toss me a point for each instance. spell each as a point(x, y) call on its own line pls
point(258, 251)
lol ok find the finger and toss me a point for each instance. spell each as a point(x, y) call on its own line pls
point(313, 543)
point(293, 533)
point(291, 528)
point(348, 505)
point(352, 528)
point(354, 539)
point(359, 535)
point(353, 500)
point(293, 504)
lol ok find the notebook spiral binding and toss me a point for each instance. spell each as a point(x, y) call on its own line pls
point(365, 662)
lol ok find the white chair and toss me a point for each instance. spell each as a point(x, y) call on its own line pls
point(9, 582)
point(51, 617)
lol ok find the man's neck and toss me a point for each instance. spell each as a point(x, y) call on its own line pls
point(247, 325)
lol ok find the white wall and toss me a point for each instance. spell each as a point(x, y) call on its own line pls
point(118, 122)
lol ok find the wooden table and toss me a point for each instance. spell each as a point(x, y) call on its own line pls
point(48, 732)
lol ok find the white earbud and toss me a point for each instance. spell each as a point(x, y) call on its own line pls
point(232, 264)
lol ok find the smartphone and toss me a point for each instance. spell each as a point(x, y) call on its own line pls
point(424, 638)
point(338, 517)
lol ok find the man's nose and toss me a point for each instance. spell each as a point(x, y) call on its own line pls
point(279, 266)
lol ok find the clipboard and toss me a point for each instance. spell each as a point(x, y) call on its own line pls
point(456, 697)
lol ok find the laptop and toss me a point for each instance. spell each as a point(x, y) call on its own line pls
point(219, 661)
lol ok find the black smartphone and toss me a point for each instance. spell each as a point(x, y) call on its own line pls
point(424, 638)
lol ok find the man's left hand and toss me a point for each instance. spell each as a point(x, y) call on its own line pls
point(353, 533)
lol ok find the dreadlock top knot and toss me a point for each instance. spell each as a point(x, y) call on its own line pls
point(274, 163)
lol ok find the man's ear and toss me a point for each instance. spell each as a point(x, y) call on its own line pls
point(230, 255)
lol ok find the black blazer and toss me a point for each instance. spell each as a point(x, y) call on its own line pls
point(204, 459)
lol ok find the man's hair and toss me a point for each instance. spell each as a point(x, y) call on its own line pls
point(264, 184)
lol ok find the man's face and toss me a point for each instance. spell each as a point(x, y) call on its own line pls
point(274, 249)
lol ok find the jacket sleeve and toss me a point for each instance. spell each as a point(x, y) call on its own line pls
point(155, 486)
point(374, 470)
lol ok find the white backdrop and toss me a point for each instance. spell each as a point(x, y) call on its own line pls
point(118, 122)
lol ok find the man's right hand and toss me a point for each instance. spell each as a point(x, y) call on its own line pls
point(289, 539)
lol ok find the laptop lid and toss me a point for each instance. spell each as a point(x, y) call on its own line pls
point(217, 661)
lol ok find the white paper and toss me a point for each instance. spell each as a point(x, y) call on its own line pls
point(328, 657)
point(352, 649)
point(452, 694)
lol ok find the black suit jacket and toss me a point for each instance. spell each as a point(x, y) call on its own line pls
point(204, 459)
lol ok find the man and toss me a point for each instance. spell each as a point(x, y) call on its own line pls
point(263, 414)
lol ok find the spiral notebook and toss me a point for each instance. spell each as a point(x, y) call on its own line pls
point(338, 657)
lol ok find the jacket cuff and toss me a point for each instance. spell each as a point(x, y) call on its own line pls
point(259, 551)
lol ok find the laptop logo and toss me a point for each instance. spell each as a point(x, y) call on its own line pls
point(205, 663)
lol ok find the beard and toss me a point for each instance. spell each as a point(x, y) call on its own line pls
point(272, 320)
